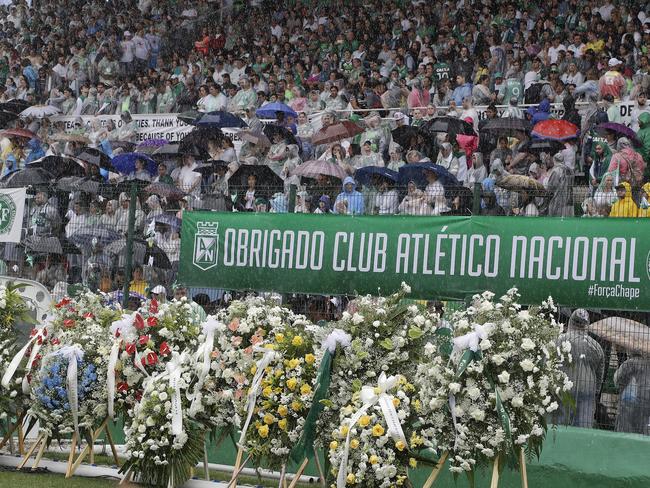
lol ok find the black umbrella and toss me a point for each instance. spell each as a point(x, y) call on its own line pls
point(97, 157)
point(506, 126)
point(220, 119)
point(168, 151)
point(6, 116)
point(16, 106)
point(85, 235)
point(266, 177)
point(547, 146)
point(448, 125)
point(407, 136)
point(199, 152)
point(125, 146)
point(44, 245)
point(190, 116)
point(59, 166)
point(27, 177)
point(69, 183)
point(272, 130)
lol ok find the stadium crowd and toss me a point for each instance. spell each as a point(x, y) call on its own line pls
point(416, 85)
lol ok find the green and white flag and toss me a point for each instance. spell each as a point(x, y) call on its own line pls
point(12, 207)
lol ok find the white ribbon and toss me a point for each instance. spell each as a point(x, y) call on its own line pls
point(337, 337)
point(72, 354)
point(254, 389)
point(210, 326)
point(174, 369)
point(15, 362)
point(472, 339)
point(452, 409)
point(371, 396)
point(123, 328)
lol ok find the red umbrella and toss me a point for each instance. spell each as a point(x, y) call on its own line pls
point(336, 132)
point(555, 130)
point(315, 167)
point(27, 134)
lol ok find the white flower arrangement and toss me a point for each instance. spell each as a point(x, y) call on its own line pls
point(492, 395)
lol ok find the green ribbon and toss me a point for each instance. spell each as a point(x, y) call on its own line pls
point(304, 449)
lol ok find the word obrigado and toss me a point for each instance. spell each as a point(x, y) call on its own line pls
point(441, 254)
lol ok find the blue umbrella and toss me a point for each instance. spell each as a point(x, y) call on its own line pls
point(125, 163)
point(220, 120)
point(415, 172)
point(364, 175)
point(268, 111)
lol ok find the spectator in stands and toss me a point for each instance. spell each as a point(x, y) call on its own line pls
point(612, 82)
point(627, 162)
point(349, 201)
point(632, 379)
point(625, 205)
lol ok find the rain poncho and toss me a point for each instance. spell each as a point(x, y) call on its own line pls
point(625, 207)
point(644, 210)
point(352, 198)
point(543, 111)
point(628, 162)
point(35, 151)
point(600, 163)
point(632, 379)
point(585, 370)
point(643, 134)
point(559, 191)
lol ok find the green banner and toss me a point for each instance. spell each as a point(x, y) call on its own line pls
point(603, 263)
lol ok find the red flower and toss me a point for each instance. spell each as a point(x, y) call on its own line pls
point(44, 332)
point(138, 322)
point(122, 387)
point(118, 333)
point(138, 395)
point(33, 333)
point(152, 321)
point(165, 349)
point(153, 306)
point(150, 359)
point(130, 348)
point(68, 323)
point(89, 315)
point(63, 303)
point(143, 340)
point(36, 360)
point(55, 342)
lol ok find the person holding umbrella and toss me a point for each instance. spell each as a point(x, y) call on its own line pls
point(415, 202)
point(386, 201)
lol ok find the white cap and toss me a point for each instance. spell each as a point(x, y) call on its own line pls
point(127, 34)
point(614, 62)
point(159, 290)
point(399, 116)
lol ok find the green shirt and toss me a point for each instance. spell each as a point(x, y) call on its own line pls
point(442, 71)
point(513, 88)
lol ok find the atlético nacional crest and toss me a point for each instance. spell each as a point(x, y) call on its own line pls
point(206, 245)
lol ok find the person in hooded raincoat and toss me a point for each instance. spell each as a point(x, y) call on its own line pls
point(542, 112)
point(624, 206)
point(557, 186)
point(585, 371)
point(628, 162)
point(644, 206)
point(349, 199)
point(632, 379)
point(599, 159)
point(35, 151)
point(643, 134)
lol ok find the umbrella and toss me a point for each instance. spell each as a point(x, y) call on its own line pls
point(92, 186)
point(519, 182)
point(16, 106)
point(255, 137)
point(168, 150)
point(142, 251)
point(547, 146)
point(151, 145)
point(199, 151)
point(271, 130)
point(27, 134)
point(27, 177)
point(59, 166)
point(269, 110)
point(125, 163)
point(97, 157)
point(448, 125)
point(555, 130)
point(168, 219)
point(43, 245)
point(190, 116)
point(405, 134)
point(506, 126)
point(315, 167)
point(63, 137)
point(220, 119)
point(619, 129)
point(69, 183)
point(336, 132)
point(170, 192)
point(125, 146)
point(87, 234)
point(6, 117)
point(631, 335)
point(416, 172)
point(266, 177)
point(40, 111)
point(364, 175)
